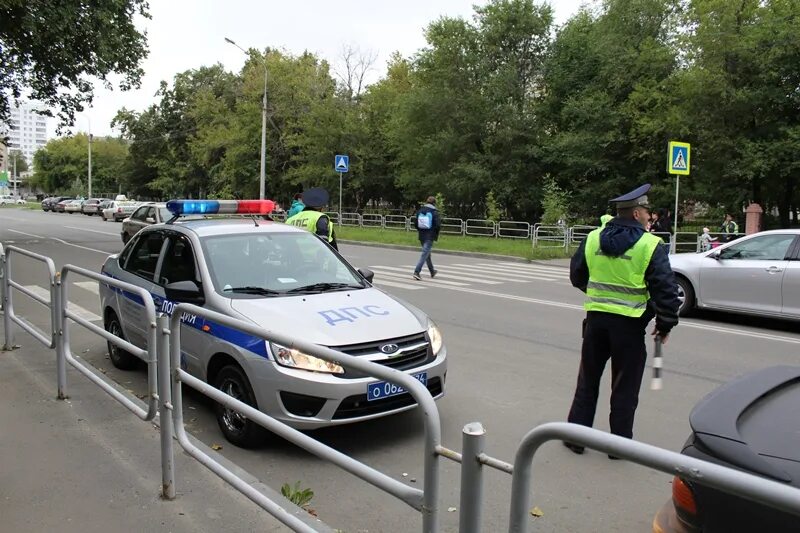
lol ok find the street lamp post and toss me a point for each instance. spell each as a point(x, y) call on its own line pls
point(261, 191)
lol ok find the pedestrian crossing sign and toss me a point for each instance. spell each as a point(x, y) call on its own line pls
point(678, 158)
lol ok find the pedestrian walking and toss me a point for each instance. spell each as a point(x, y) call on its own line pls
point(428, 224)
point(312, 218)
point(729, 227)
point(627, 279)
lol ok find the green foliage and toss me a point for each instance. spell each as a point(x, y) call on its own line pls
point(555, 203)
point(441, 205)
point(62, 165)
point(494, 211)
point(16, 156)
point(296, 495)
point(53, 49)
point(492, 106)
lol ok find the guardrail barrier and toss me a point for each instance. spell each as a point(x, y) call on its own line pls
point(513, 230)
point(350, 219)
point(550, 236)
point(10, 317)
point(64, 351)
point(396, 222)
point(372, 220)
point(479, 227)
point(425, 501)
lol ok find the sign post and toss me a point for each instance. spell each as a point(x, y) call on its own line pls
point(341, 164)
point(678, 164)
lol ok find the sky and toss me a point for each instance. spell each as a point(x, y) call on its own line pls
point(187, 34)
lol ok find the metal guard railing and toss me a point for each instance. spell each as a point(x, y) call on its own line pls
point(48, 339)
point(425, 501)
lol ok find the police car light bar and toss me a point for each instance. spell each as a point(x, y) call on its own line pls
point(220, 207)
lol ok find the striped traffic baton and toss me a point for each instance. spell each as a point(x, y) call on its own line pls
point(656, 383)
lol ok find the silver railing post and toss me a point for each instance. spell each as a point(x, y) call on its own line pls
point(164, 408)
point(473, 437)
point(58, 321)
point(8, 309)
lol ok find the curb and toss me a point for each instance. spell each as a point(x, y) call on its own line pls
point(479, 255)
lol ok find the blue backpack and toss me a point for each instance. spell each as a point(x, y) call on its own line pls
point(424, 220)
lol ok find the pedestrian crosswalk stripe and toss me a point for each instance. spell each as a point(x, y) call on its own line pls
point(442, 273)
point(509, 275)
point(90, 286)
point(558, 271)
point(382, 282)
point(77, 309)
point(395, 276)
point(496, 277)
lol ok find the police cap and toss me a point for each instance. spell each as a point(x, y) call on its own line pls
point(316, 197)
point(635, 198)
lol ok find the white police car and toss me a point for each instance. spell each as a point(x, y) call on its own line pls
point(284, 279)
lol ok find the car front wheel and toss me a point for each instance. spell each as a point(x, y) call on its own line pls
point(119, 357)
point(686, 296)
point(235, 426)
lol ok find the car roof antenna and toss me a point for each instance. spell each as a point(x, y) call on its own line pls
point(255, 220)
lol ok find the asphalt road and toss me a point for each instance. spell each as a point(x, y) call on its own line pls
point(513, 337)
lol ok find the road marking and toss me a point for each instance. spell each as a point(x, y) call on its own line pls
point(90, 286)
point(61, 241)
point(549, 271)
point(475, 269)
point(444, 274)
point(93, 231)
point(753, 334)
point(77, 309)
point(395, 276)
point(397, 285)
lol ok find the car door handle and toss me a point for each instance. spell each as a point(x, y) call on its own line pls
point(774, 270)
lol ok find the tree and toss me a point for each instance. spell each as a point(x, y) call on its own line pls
point(15, 157)
point(63, 164)
point(52, 49)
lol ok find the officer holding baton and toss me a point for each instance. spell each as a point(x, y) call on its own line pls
point(626, 276)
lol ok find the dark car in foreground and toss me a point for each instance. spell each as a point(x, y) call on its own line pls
point(750, 424)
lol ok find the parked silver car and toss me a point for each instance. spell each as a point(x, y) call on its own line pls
point(145, 215)
point(118, 210)
point(288, 280)
point(757, 275)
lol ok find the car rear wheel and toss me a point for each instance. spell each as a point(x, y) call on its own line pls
point(119, 357)
point(236, 427)
point(686, 296)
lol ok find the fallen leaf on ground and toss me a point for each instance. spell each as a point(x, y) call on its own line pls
point(451, 509)
point(537, 512)
point(216, 447)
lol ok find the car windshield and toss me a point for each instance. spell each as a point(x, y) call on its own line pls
point(270, 264)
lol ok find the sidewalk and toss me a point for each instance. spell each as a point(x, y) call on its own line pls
point(87, 464)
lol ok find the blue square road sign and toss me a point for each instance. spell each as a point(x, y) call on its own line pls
point(341, 163)
point(678, 158)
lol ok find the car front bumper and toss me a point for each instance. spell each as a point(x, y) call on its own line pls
point(283, 393)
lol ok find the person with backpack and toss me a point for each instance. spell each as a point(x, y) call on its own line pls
point(427, 223)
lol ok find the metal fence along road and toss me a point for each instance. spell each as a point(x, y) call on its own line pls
point(166, 378)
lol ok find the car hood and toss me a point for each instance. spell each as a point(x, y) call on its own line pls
point(752, 423)
point(335, 318)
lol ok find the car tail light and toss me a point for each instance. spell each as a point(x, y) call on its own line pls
point(683, 499)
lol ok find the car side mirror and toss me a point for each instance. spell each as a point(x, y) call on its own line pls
point(367, 273)
point(184, 292)
point(150, 220)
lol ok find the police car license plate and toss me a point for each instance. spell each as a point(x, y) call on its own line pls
point(384, 389)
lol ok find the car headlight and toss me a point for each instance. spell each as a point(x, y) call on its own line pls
point(296, 359)
point(435, 337)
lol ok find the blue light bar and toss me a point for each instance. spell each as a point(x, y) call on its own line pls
point(193, 207)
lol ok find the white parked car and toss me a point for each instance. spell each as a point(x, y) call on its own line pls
point(6, 199)
point(117, 211)
point(74, 206)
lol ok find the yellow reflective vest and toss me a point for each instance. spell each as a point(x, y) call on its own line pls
point(308, 220)
point(616, 284)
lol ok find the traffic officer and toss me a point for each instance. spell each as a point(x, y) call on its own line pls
point(626, 276)
point(604, 219)
point(312, 218)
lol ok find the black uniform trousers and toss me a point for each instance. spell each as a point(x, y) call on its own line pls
point(621, 339)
